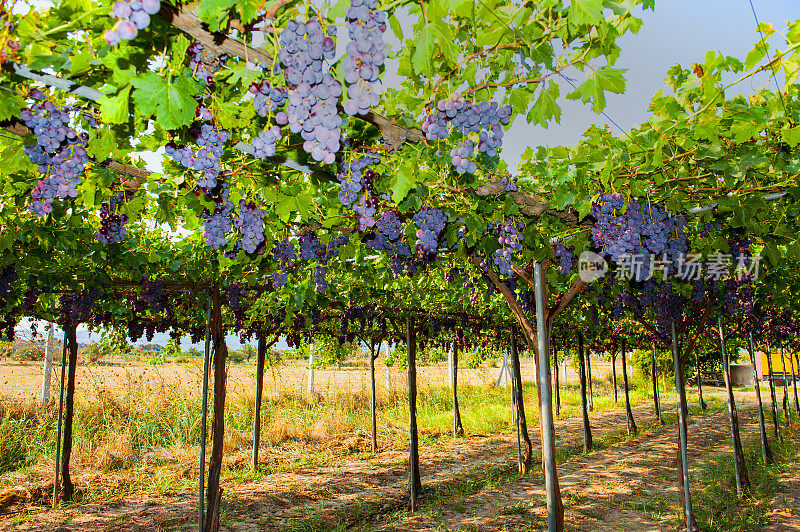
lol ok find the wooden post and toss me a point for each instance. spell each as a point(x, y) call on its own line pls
point(524, 456)
point(700, 400)
point(67, 488)
point(261, 355)
point(372, 356)
point(775, 420)
point(47, 371)
point(213, 491)
point(311, 369)
point(589, 378)
point(503, 370)
point(558, 386)
point(654, 376)
point(60, 419)
point(794, 384)
point(683, 455)
point(614, 370)
point(414, 484)
point(458, 429)
point(587, 428)
point(740, 467)
point(632, 429)
point(765, 450)
point(786, 414)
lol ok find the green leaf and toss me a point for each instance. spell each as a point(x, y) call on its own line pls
point(12, 105)
point(396, 28)
point(403, 181)
point(597, 83)
point(423, 51)
point(545, 108)
point(214, 12)
point(102, 146)
point(171, 101)
point(585, 12)
point(89, 193)
point(114, 109)
point(791, 136)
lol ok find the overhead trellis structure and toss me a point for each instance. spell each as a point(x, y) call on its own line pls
point(318, 192)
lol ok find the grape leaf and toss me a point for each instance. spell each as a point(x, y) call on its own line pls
point(114, 109)
point(597, 83)
point(171, 101)
point(423, 51)
point(545, 107)
point(585, 12)
point(403, 181)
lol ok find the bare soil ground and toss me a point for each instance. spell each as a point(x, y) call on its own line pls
point(627, 486)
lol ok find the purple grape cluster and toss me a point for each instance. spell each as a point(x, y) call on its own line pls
point(354, 176)
point(267, 99)
point(207, 158)
point(366, 54)
point(284, 252)
point(510, 183)
point(430, 223)
point(709, 228)
point(311, 248)
point(251, 224)
point(402, 260)
point(365, 209)
point(76, 307)
point(313, 92)
point(112, 223)
point(389, 228)
point(460, 157)
point(456, 113)
point(645, 229)
point(320, 284)
point(264, 143)
point(59, 152)
point(565, 256)
point(217, 223)
point(132, 16)
point(510, 240)
point(198, 66)
point(279, 278)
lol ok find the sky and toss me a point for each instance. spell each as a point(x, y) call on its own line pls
point(677, 32)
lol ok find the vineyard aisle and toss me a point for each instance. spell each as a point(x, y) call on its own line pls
point(469, 482)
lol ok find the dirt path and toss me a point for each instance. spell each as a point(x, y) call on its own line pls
point(633, 477)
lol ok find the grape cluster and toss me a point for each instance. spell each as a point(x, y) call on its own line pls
point(199, 67)
point(510, 183)
point(456, 113)
point(510, 240)
point(365, 209)
point(112, 222)
point(6, 41)
point(267, 98)
point(565, 256)
point(132, 16)
point(460, 157)
point(645, 229)
point(402, 261)
point(354, 178)
point(251, 224)
point(366, 53)
point(76, 307)
point(389, 228)
point(430, 222)
point(217, 223)
point(207, 158)
point(320, 284)
point(279, 278)
point(264, 143)
point(59, 152)
point(311, 248)
point(313, 92)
